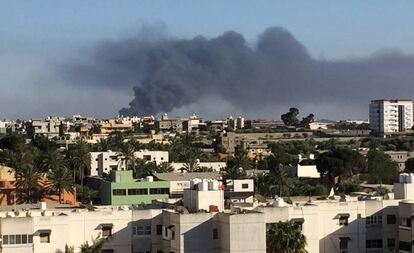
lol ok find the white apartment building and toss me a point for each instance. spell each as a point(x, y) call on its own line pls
point(387, 116)
point(104, 162)
point(203, 225)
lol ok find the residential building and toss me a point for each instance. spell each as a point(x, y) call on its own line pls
point(181, 181)
point(212, 166)
point(193, 124)
point(115, 125)
point(391, 116)
point(104, 162)
point(8, 195)
point(49, 127)
point(239, 192)
point(166, 124)
point(333, 226)
point(400, 157)
point(321, 124)
point(231, 141)
point(123, 189)
point(304, 167)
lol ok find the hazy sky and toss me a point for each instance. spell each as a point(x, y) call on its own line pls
point(35, 36)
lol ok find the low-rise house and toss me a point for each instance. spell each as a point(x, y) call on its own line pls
point(181, 181)
point(304, 167)
point(123, 189)
point(115, 125)
point(211, 166)
point(400, 157)
point(166, 124)
point(239, 192)
point(8, 189)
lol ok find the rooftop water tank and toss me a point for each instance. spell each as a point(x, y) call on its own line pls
point(279, 202)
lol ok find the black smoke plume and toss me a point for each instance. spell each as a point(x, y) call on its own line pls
point(168, 74)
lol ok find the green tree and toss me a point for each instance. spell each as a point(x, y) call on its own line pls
point(307, 120)
point(340, 163)
point(285, 237)
point(409, 165)
point(381, 168)
point(81, 160)
point(236, 166)
point(60, 181)
point(290, 118)
point(279, 182)
point(52, 161)
point(127, 152)
point(86, 194)
point(28, 187)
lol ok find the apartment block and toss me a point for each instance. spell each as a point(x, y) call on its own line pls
point(391, 116)
point(104, 162)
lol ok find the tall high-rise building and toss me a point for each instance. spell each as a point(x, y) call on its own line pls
point(390, 116)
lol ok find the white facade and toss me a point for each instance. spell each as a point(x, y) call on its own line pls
point(214, 166)
point(302, 169)
point(342, 227)
point(390, 116)
point(104, 162)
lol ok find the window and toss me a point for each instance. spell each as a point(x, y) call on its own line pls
point(343, 219)
point(24, 239)
point(159, 229)
point(12, 239)
point(215, 233)
point(298, 222)
point(391, 219)
point(44, 237)
point(406, 222)
point(17, 239)
point(373, 244)
point(245, 186)
point(146, 157)
point(141, 230)
point(159, 191)
point(343, 242)
point(119, 192)
point(137, 191)
point(5, 239)
point(373, 220)
point(391, 243)
point(405, 246)
point(106, 231)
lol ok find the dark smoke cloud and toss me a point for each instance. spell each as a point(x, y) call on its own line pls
point(169, 74)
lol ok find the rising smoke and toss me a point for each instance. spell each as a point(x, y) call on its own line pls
point(168, 74)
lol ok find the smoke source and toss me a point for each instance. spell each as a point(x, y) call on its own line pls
point(170, 74)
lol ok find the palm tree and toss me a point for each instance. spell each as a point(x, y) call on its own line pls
point(236, 166)
point(86, 194)
point(53, 160)
point(285, 237)
point(27, 184)
point(81, 159)
point(128, 153)
point(104, 145)
point(279, 180)
point(60, 181)
point(142, 168)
